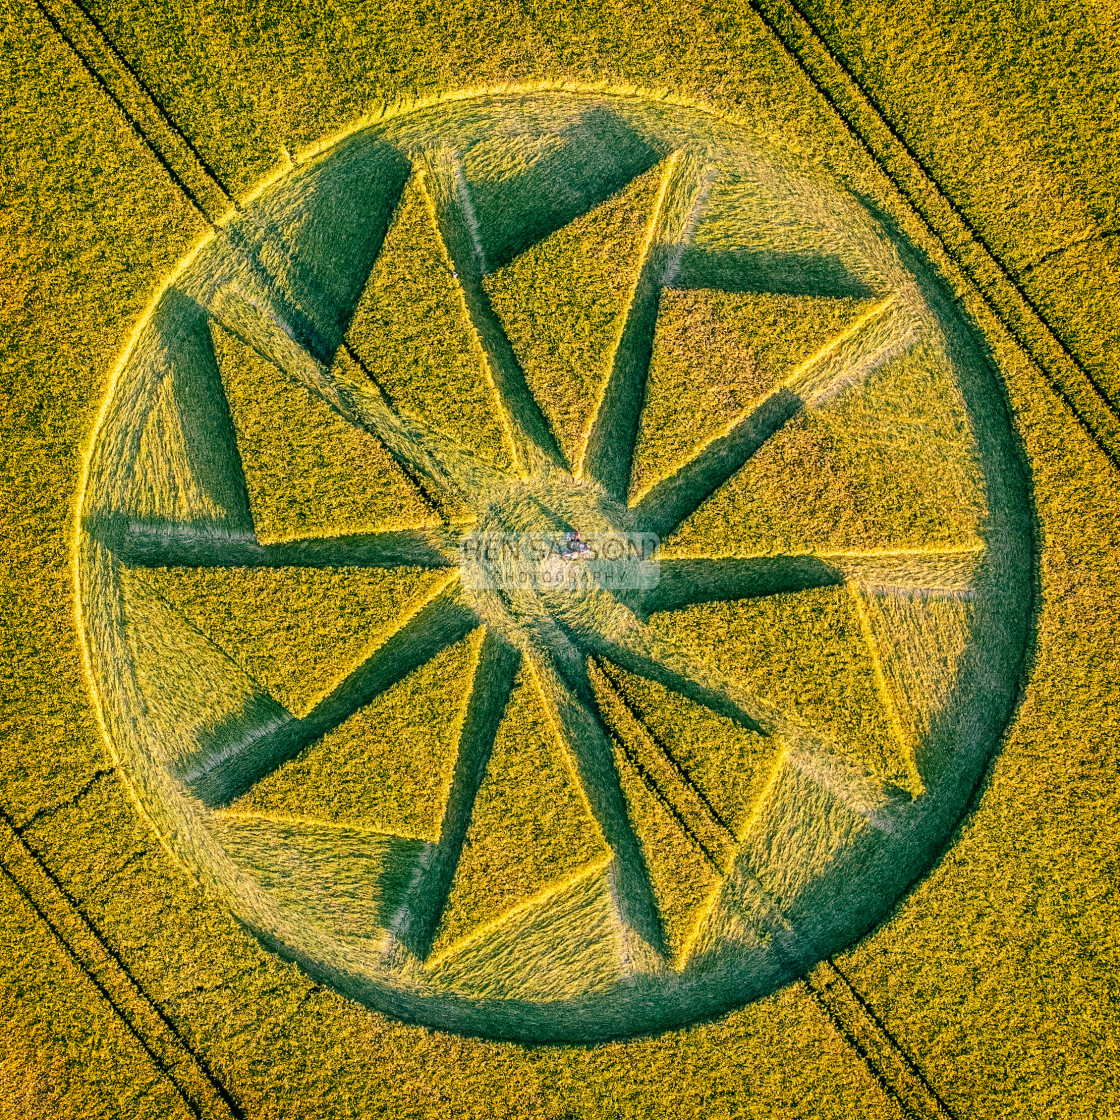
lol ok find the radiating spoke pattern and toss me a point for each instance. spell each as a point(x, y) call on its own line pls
point(643, 652)
point(143, 546)
point(883, 333)
point(609, 453)
point(685, 583)
point(574, 651)
point(574, 714)
point(414, 925)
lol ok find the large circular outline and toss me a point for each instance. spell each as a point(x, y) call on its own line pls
point(616, 1013)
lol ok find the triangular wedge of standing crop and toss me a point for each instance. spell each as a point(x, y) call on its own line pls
point(345, 881)
point(530, 828)
point(388, 767)
point(346, 483)
point(297, 631)
point(804, 652)
point(563, 303)
point(413, 334)
point(715, 354)
point(887, 464)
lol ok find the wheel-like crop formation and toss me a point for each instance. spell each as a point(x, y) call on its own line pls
point(591, 811)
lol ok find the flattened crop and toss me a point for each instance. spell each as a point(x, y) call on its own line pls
point(574, 813)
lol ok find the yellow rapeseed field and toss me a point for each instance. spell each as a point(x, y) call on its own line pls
point(300, 820)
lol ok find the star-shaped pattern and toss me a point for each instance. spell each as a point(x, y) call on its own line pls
point(553, 425)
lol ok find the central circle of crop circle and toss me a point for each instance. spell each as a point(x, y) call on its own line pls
point(540, 547)
point(554, 565)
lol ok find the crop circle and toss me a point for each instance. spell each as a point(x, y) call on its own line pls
point(588, 811)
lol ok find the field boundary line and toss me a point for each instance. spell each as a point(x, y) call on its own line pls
point(134, 100)
point(958, 239)
point(958, 211)
point(864, 1032)
point(149, 93)
point(189, 1075)
point(67, 802)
